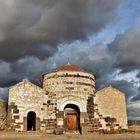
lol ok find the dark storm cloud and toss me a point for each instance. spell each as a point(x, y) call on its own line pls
point(4, 93)
point(27, 68)
point(92, 58)
point(12, 50)
point(138, 74)
point(134, 111)
point(27, 25)
point(129, 68)
point(136, 97)
point(129, 45)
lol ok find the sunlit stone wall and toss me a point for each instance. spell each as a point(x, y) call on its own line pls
point(112, 105)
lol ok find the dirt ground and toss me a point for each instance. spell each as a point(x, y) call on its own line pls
point(21, 136)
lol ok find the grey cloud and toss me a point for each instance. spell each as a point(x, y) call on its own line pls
point(129, 68)
point(27, 25)
point(129, 45)
point(26, 68)
point(29, 67)
point(134, 110)
point(98, 58)
point(136, 97)
point(138, 75)
point(4, 93)
point(12, 50)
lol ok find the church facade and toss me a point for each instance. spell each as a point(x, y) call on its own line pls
point(66, 100)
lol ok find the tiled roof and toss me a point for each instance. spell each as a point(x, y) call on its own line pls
point(68, 67)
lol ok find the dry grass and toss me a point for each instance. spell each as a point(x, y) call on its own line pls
point(43, 136)
point(135, 128)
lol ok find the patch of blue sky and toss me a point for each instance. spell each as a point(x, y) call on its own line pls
point(127, 15)
point(129, 12)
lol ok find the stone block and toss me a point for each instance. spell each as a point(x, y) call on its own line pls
point(58, 131)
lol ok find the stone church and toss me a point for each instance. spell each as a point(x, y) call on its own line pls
point(66, 99)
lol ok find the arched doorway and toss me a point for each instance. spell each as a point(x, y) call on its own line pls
point(72, 117)
point(31, 121)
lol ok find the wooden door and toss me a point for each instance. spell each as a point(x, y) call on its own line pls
point(71, 122)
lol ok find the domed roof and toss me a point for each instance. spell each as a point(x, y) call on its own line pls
point(68, 67)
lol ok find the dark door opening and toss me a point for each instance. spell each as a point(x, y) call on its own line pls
point(31, 121)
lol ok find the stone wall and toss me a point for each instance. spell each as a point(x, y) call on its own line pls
point(3, 112)
point(67, 81)
point(105, 109)
point(69, 87)
point(111, 106)
point(23, 98)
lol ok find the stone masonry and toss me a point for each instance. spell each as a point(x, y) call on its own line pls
point(112, 106)
point(23, 98)
point(70, 87)
point(3, 107)
point(66, 100)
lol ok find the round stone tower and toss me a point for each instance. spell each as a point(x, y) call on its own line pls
point(71, 90)
point(69, 78)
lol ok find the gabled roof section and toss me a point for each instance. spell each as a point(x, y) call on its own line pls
point(108, 88)
point(25, 82)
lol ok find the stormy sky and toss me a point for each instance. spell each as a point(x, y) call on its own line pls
point(102, 36)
